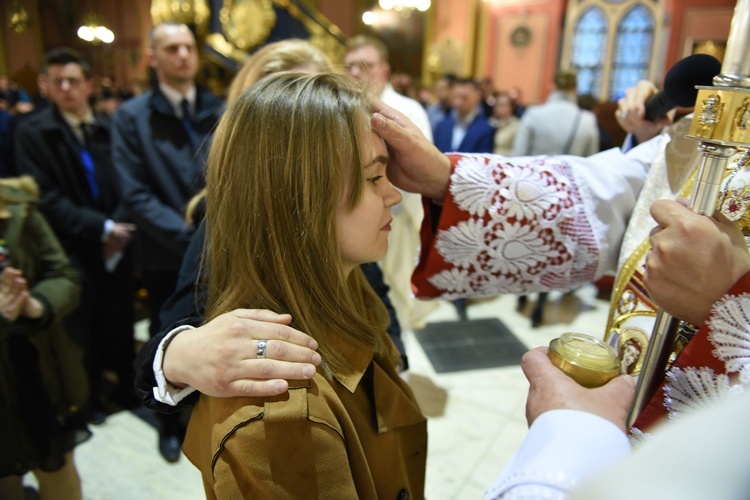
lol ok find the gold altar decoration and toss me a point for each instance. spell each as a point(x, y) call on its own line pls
point(18, 18)
point(189, 12)
point(247, 23)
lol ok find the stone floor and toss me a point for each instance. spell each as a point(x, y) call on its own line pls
point(476, 418)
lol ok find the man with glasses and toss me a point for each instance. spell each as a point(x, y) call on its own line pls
point(366, 61)
point(66, 148)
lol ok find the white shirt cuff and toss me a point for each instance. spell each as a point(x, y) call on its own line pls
point(164, 392)
point(109, 226)
point(562, 449)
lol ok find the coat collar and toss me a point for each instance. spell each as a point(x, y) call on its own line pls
point(51, 119)
point(359, 362)
point(206, 104)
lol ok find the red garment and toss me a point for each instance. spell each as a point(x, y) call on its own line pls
point(704, 352)
point(507, 226)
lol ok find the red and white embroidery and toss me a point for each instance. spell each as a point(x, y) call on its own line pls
point(729, 331)
point(528, 229)
point(692, 388)
point(695, 387)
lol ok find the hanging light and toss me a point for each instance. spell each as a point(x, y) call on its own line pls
point(94, 31)
point(18, 18)
point(404, 7)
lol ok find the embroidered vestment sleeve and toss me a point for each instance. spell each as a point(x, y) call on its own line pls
point(518, 225)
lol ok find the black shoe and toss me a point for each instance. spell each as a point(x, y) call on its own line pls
point(461, 309)
point(169, 447)
point(521, 303)
point(97, 417)
point(536, 318)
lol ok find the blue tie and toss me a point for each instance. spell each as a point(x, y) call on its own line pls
point(88, 164)
point(187, 121)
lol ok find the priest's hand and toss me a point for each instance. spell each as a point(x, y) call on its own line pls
point(694, 260)
point(415, 164)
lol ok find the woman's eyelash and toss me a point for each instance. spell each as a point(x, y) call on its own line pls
point(374, 180)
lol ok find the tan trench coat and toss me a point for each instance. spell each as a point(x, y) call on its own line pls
point(360, 435)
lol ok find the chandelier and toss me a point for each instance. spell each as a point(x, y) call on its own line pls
point(404, 7)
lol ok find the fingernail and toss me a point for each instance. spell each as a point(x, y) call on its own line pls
point(308, 371)
point(377, 120)
point(316, 359)
point(280, 386)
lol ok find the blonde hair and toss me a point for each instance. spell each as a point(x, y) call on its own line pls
point(273, 58)
point(282, 157)
point(276, 57)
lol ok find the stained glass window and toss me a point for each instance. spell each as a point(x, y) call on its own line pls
point(633, 49)
point(589, 44)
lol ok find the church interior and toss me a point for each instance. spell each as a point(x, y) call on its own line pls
point(476, 414)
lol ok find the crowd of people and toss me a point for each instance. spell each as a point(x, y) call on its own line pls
point(259, 224)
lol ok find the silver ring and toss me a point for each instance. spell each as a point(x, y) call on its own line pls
point(261, 352)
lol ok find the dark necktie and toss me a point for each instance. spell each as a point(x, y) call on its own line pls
point(88, 162)
point(187, 121)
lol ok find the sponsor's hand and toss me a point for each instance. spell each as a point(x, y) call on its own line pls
point(219, 358)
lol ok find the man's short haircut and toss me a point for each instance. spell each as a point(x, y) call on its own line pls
point(65, 55)
point(368, 41)
point(154, 29)
point(566, 79)
point(468, 81)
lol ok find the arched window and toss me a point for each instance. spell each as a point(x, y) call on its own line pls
point(589, 45)
point(633, 49)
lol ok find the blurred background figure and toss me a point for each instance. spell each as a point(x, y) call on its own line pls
point(505, 123)
point(67, 149)
point(441, 108)
point(42, 380)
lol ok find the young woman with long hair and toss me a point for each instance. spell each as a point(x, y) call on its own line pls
point(297, 200)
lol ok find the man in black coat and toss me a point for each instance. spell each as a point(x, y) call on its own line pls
point(159, 142)
point(66, 148)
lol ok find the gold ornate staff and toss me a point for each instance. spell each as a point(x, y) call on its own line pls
point(722, 123)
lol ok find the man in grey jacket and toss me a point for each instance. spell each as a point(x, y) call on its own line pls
point(558, 126)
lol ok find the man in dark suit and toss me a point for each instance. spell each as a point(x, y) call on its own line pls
point(466, 129)
point(66, 148)
point(159, 146)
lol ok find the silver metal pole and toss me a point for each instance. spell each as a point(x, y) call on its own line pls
point(714, 125)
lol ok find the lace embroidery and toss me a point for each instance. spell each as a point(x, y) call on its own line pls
point(528, 229)
point(694, 388)
point(697, 387)
point(729, 331)
point(637, 437)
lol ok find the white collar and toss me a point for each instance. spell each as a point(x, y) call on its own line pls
point(74, 122)
point(174, 97)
